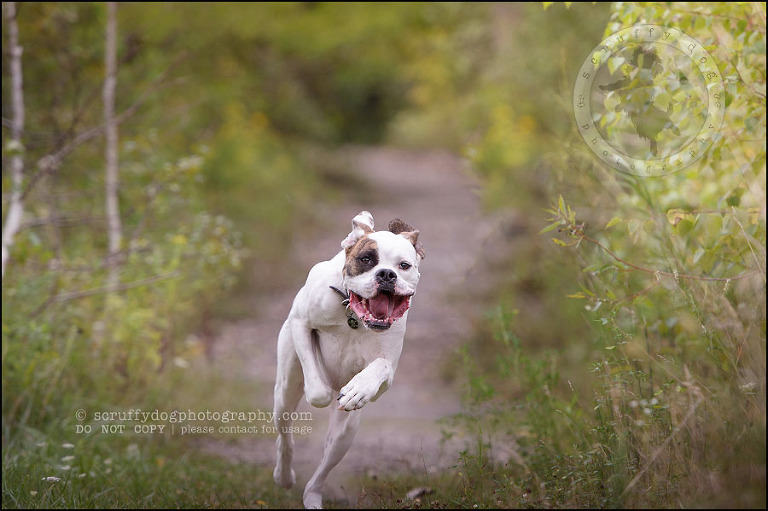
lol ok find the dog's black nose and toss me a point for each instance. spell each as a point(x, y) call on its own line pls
point(386, 276)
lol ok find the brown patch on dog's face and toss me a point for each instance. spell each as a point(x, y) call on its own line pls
point(363, 256)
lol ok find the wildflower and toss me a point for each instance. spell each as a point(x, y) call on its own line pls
point(180, 362)
point(132, 451)
point(51, 479)
point(748, 388)
point(68, 446)
point(67, 459)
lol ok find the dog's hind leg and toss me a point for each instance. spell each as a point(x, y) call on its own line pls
point(289, 387)
point(341, 432)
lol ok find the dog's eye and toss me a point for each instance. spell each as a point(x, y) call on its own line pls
point(404, 265)
point(365, 260)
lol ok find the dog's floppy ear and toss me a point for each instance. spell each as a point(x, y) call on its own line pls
point(400, 227)
point(362, 224)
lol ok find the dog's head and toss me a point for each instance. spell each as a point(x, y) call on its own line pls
point(381, 270)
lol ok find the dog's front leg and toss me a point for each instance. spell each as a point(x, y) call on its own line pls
point(367, 385)
point(316, 388)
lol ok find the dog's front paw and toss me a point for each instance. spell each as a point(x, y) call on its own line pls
point(312, 500)
point(319, 395)
point(359, 391)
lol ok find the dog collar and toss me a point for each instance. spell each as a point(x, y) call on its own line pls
point(352, 320)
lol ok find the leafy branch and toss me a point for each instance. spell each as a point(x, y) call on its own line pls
point(565, 221)
point(85, 293)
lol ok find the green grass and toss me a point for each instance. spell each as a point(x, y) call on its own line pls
point(45, 471)
point(99, 472)
point(130, 470)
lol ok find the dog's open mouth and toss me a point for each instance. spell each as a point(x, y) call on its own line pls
point(381, 310)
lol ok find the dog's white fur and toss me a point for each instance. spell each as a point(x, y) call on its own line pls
point(321, 357)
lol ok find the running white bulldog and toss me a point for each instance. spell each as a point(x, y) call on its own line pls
point(343, 339)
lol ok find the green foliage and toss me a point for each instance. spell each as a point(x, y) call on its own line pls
point(669, 272)
point(64, 335)
point(66, 339)
point(505, 105)
point(254, 176)
point(288, 61)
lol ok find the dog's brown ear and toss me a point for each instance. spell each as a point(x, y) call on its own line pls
point(405, 230)
point(397, 226)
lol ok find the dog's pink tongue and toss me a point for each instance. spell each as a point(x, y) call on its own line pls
point(379, 306)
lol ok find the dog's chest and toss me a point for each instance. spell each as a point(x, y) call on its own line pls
point(344, 352)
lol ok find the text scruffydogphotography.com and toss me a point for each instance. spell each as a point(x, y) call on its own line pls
point(187, 422)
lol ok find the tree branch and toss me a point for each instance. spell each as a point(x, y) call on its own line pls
point(61, 221)
point(657, 273)
point(75, 295)
point(50, 163)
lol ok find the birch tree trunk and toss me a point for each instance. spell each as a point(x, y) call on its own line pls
point(16, 208)
point(114, 226)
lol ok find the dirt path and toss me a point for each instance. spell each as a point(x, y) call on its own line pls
point(430, 190)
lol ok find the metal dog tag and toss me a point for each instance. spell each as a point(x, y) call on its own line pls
point(352, 322)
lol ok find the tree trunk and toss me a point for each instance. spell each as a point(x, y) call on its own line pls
point(16, 208)
point(114, 227)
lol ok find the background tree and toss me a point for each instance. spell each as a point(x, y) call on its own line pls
point(114, 225)
point(15, 147)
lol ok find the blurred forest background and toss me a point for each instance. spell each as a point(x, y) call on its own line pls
point(624, 352)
